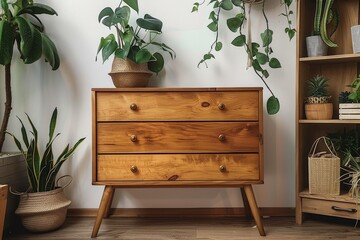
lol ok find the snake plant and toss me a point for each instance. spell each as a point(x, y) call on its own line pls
point(42, 170)
point(325, 14)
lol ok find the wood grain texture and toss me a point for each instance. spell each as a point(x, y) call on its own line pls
point(178, 167)
point(3, 201)
point(175, 106)
point(199, 229)
point(178, 137)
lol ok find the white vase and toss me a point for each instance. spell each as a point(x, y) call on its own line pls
point(355, 36)
point(315, 46)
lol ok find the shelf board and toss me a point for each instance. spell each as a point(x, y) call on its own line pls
point(332, 58)
point(331, 121)
point(343, 197)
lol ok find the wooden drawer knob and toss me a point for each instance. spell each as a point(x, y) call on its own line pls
point(133, 106)
point(221, 106)
point(222, 138)
point(134, 169)
point(133, 138)
point(222, 168)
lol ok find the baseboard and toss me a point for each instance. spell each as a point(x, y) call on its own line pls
point(181, 212)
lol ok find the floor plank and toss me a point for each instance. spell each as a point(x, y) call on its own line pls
point(199, 229)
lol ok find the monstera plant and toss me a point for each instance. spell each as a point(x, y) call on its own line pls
point(20, 25)
point(260, 55)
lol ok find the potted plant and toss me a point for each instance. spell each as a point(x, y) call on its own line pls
point(259, 54)
point(136, 49)
point(325, 15)
point(44, 206)
point(318, 105)
point(20, 26)
point(349, 102)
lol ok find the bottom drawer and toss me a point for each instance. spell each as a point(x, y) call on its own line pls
point(172, 167)
point(331, 208)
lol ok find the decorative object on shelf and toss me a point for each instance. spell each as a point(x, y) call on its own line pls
point(352, 174)
point(44, 207)
point(324, 169)
point(355, 37)
point(258, 57)
point(350, 108)
point(20, 24)
point(134, 46)
point(317, 105)
point(325, 14)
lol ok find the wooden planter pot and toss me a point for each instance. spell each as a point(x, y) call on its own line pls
point(319, 111)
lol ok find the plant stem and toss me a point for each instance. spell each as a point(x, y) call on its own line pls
point(8, 101)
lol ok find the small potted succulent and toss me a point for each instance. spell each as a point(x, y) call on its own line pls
point(349, 102)
point(317, 104)
point(325, 15)
point(137, 53)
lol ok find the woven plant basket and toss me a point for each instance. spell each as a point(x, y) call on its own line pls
point(43, 211)
point(127, 74)
point(324, 169)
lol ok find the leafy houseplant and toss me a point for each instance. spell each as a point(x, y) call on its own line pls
point(20, 25)
point(137, 44)
point(325, 15)
point(45, 200)
point(317, 105)
point(259, 55)
point(43, 168)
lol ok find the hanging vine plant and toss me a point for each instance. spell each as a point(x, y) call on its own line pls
point(259, 55)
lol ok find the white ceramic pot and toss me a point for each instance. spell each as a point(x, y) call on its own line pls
point(315, 46)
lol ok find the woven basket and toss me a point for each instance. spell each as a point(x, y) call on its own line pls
point(324, 170)
point(43, 211)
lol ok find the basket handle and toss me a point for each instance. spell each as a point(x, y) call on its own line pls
point(67, 184)
point(326, 140)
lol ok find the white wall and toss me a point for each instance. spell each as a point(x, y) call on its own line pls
point(76, 32)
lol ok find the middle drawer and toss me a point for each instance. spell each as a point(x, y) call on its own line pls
point(177, 137)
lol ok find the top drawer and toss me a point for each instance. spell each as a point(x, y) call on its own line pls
point(175, 106)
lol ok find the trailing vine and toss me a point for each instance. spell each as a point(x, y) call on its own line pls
point(259, 56)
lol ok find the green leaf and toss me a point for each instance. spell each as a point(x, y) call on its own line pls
point(218, 46)
point(208, 56)
point(234, 23)
point(108, 46)
point(6, 42)
point(50, 52)
point(227, 5)
point(265, 73)
point(36, 48)
point(212, 16)
point(143, 56)
point(262, 58)
point(52, 125)
point(150, 23)
point(273, 105)
point(237, 2)
point(256, 65)
point(106, 12)
point(157, 65)
point(26, 34)
point(266, 37)
point(254, 48)
point(239, 41)
point(133, 4)
point(274, 63)
point(123, 14)
point(213, 26)
point(37, 8)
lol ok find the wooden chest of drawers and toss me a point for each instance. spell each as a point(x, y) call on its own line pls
point(177, 137)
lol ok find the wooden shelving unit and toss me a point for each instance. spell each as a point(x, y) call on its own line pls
point(341, 66)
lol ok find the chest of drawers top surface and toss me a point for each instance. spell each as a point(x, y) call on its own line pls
point(160, 136)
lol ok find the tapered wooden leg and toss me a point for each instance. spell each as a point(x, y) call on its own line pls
point(108, 206)
point(108, 191)
point(246, 204)
point(254, 209)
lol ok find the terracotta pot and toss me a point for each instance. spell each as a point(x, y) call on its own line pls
point(126, 73)
point(319, 111)
point(43, 211)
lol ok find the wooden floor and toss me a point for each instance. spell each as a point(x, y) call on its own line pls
point(200, 229)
